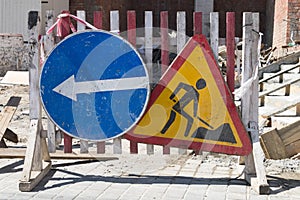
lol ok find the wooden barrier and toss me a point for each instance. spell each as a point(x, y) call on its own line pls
point(38, 160)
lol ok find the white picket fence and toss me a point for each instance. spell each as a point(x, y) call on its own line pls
point(176, 41)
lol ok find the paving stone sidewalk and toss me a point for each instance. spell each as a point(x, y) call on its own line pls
point(146, 177)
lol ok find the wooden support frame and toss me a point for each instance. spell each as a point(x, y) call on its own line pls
point(37, 160)
point(254, 169)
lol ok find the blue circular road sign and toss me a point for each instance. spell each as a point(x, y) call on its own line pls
point(94, 85)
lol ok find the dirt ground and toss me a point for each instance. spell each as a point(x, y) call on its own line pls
point(289, 168)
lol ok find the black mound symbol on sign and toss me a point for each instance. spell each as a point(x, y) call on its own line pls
point(223, 134)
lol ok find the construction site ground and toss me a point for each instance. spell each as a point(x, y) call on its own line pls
point(205, 176)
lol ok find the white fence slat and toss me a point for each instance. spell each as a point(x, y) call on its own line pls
point(114, 27)
point(181, 30)
point(214, 32)
point(181, 40)
point(148, 55)
point(114, 21)
point(80, 14)
point(84, 146)
point(51, 136)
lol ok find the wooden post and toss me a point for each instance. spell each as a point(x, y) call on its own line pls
point(214, 33)
point(37, 157)
point(114, 27)
point(149, 55)
point(230, 46)
point(98, 24)
point(48, 45)
point(131, 36)
point(254, 161)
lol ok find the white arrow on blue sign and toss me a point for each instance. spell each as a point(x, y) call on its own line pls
point(94, 85)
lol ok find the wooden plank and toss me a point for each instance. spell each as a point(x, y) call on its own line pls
point(181, 30)
point(254, 168)
point(230, 46)
point(181, 40)
point(48, 46)
point(98, 22)
point(293, 148)
point(148, 56)
point(58, 155)
point(164, 27)
point(197, 19)
point(214, 33)
point(197, 16)
point(80, 14)
point(281, 109)
point(34, 131)
point(114, 27)
point(7, 114)
point(131, 27)
point(27, 186)
point(273, 145)
point(290, 133)
point(84, 146)
point(131, 35)
point(64, 27)
point(51, 136)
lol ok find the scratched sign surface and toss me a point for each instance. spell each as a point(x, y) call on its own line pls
point(94, 85)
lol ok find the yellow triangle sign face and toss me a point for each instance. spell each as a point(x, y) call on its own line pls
point(191, 107)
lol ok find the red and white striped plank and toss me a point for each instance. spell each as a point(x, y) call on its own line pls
point(164, 27)
point(131, 36)
point(230, 46)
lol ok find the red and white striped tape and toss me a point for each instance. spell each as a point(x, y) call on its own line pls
point(60, 20)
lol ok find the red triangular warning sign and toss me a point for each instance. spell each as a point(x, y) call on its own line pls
point(191, 107)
